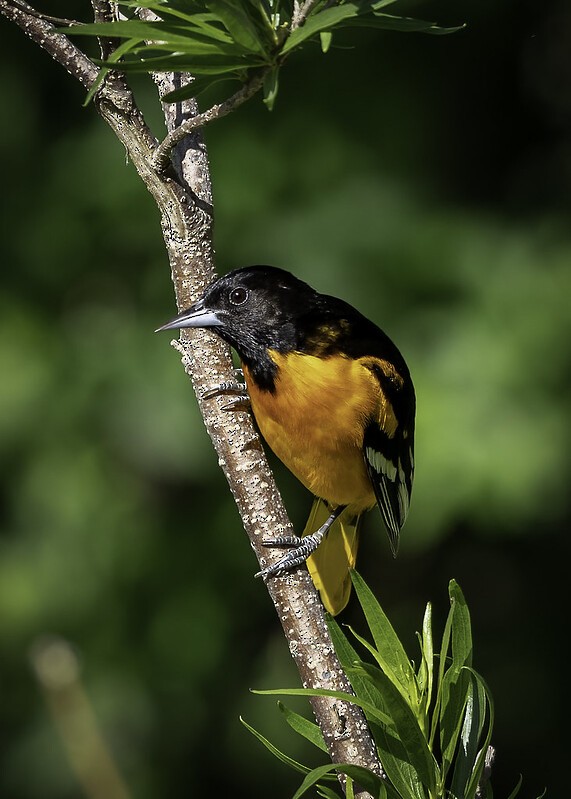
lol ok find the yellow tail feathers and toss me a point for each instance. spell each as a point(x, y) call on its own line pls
point(330, 563)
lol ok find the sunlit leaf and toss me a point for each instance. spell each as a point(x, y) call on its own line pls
point(472, 786)
point(271, 87)
point(325, 38)
point(468, 745)
point(363, 686)
point(321, 21)
point(390, 653)
point(425, 676)
point(407, 728)
point(239, 21)
point(455, 683)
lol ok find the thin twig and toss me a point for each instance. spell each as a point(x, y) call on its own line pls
point(56, 44)
point(301, 12)
point(105, 11)
point(47, 17)
point(161, 156)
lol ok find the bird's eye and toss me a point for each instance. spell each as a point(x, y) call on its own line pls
point(238, 296)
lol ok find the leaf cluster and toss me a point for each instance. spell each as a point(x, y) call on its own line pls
point(217, 40)
point(432, 724)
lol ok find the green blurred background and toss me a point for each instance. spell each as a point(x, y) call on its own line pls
point(425, 179)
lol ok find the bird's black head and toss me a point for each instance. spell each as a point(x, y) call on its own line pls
point(254, 309)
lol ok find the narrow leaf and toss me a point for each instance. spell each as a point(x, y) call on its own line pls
point(472, 786)
point(321, 21)
point(400, 772)
point(455, 687)
point(389, 22)
point(515, 791)
point(407, 728)
point(371, 710)
point(369, 781)
point(474, 718)
point(325, 38)
point(271, 88)
point(461, 627)
point(275, 751)
point(307, 729)
point(197, 87)
point(391, 655)
point(237, 17)
point(363, 686)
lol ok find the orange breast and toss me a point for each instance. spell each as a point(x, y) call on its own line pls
point(315, 420)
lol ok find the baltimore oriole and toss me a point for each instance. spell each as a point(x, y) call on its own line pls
point(333, 398)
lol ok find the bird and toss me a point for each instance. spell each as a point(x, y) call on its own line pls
point(332, 397)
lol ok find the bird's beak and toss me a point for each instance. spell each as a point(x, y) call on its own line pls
point(195, 316)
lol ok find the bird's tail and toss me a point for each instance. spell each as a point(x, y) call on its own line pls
point(330, 563)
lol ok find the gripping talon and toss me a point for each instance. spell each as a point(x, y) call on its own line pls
point(282, 541)
point(225, 388)
point(300, 548)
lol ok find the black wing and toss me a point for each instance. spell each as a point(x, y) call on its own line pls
point(388, 446)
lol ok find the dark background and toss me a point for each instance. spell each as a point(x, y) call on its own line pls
point(425, 179)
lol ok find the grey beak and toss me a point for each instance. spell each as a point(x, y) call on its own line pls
point(195, 316)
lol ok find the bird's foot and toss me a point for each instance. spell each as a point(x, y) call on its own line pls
point(241, 400)
point(300, 550)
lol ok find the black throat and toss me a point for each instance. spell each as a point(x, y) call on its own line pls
point(262, 369)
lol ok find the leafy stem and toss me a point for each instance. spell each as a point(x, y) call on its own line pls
point(161, 155)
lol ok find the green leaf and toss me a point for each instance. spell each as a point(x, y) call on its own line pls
point(369, 781)
point(472, 786)
point(375, 713)
point(197, 87)
point(363, 686)
point(461, 627)
point(455, 685)
point(271, 88)
point(400, 772)
point(389, 22)
point(275, 751)
point(425, 675)
point(322, 21)
point(349, 658)
point(441, 670)
point(515, 791)
point(307, 729)
point(474, 719)
point(240, 24)
point(181, 63)
point(325, 38)
point(381, 4)
point(407, 728)
point(390, 653)
point(325, 792)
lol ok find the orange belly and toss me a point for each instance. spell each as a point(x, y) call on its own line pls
point(314, 422)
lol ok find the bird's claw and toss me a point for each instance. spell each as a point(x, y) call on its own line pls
point(300, 550)
point(241, 400)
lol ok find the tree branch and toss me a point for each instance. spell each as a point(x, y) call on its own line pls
point(185, 203)
point(161, 156)
point(56, 44)
point(301, 11)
